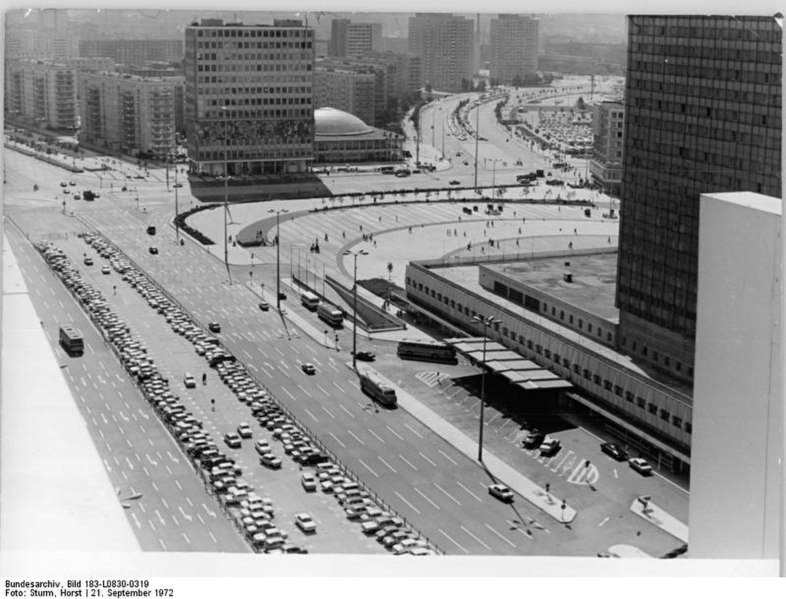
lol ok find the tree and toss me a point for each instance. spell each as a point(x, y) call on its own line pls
point(580, 104)
point(390, 270)
point(481, 86)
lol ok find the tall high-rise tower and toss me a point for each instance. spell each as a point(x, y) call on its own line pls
point(702, 115)
point(514, 48)
point(445, 45)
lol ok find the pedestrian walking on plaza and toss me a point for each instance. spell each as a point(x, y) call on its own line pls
point(204, 378)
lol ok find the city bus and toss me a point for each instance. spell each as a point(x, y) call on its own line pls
point(427, 351)
point(309, 300)
point(330, 314)
point(71, 340)
point(378, 390)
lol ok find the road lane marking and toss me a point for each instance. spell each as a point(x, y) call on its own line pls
point(464, 528)
point(508, 541)
point(183, 513)
point(351, 415)
point(602, 522)
point(394, 432)
point(310, 414)
point(213, 537)
point(323, 390)
point(136, 520)
point(380, 439)
point(285, 390)
point(448, 458)
point(162, 544)
point(328, 412)
point(303, 390)
point(411, 465)
point(448, 494)
point(468, 491)
point(166, 505)
point(419, 492)
point(354, 436)
point(186, 538)
point(339, 387)
point(414, 509)
point(337, 440)
point(369, 468)
point(414, 431)
point(386, 464)
point(451, 539)
point(427, 459)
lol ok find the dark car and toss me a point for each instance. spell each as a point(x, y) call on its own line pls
point(533, 440)
point(214, 327)
point(264, 306)
point(153, 250)
point(366, 356)
point(614, 450)
point(151, 230)
point(454, 182)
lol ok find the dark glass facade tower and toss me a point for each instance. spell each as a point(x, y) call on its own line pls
point(703, 114)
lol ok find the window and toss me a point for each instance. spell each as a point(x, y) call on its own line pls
point(538, 349)
point(664, 415)
point(676, 421)
point(688, 428)
point(547, 353)
point(641, 403)
point(570, 318)
point(652, 408)
point(587, 374)
point(629, 396)
point(617, 390)
point(596, 379)
point(577, 369)
point(589, 327)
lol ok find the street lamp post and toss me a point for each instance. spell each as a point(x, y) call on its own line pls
point(477, 138)
point(355, 304)
point(225, 110)
point(486, 322)
point(177, 211)
point(278, 258)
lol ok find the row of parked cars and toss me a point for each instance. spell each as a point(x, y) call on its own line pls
point(318, 472)
point(253, 514)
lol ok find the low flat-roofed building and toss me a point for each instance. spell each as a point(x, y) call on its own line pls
point(341, 137)
point(648, 409)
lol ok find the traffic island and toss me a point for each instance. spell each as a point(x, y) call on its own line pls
point(643, 507)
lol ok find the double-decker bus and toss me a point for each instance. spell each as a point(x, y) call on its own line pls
point(330, 314)
point(377, 390)
point(427, 351)
point(309, 300)
point(71, 340)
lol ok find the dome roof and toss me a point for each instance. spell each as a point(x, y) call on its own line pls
point(332, 122)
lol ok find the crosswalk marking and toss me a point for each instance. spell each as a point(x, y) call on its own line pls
point(431, 378)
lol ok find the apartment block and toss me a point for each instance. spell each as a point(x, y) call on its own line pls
point(350, 91)
point(133, 51)
point(445, 45)
point(42, 93)
point(129, 114)
point(514, 49)
point(608, 127)
point(354, 39)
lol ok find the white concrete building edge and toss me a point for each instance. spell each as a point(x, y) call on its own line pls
point(56, 495)
point(738, 406)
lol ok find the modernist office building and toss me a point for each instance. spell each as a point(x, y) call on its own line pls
point(129, 114)
point(702, 114)
point(134, 51)
point(514, 48)
point(249, 97)
point(445, 45)
point(608, 127)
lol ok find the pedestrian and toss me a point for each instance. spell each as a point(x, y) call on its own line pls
point(204, 378)
point(114, 289)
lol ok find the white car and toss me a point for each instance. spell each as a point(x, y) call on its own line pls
point(305, 522)
point(641, 466)
point(189, 381)
point(309, 481)
point(244, 431)
point(501, 492)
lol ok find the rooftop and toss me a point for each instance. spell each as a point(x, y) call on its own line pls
point(592, 288)
point(332, 122)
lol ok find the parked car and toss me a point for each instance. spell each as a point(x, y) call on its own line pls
point(88, 261)
point(189, 381)
point(214, 327)
point(366, 356)
point(501, 492)
point(641, 466)
point(244, 431)
point(309, 481)
point(615, 451)
point(454, 182)
point(105, 270)
point(270, 461)
point(264, 306)
point(533, 440)
point(550, 447)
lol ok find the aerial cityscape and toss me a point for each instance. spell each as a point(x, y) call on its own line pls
point(392, 284)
